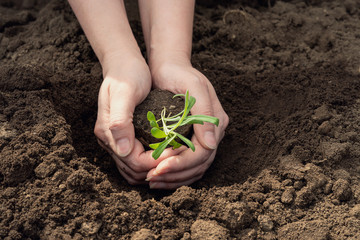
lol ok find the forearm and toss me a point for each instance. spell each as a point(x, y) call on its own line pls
point(107, 28)
point(167, 27)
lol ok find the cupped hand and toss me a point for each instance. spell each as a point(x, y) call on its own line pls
point(187, 167)
point(126, 84)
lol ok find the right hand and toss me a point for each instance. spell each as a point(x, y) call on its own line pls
point(126, 84)
point(177, 75)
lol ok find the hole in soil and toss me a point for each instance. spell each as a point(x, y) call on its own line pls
point(263, 116)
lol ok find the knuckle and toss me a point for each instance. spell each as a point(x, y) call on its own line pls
point(203, 109)
point(117, 123)
point(207, 111)
point(98, 130)
point(225, 121)
point(197, 80)
point(99, 133)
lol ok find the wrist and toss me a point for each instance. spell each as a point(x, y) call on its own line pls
point(160, 60)
point(118, 60)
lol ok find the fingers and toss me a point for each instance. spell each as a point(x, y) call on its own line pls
point(188, 176)
point(129, 178)
point(186, 160)
point(140, 160)
point(182, 175)
point(134, 168)
point(173, 185)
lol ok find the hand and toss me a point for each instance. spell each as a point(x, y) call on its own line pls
point(187, 167)
point(126, 83)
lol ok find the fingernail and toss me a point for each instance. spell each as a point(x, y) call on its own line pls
point(123, 147)
point(210, 140)
point(149, 178)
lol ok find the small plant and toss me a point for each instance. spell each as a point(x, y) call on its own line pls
point(168, 125)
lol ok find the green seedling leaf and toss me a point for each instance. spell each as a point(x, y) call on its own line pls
point(200, 118)
point(191, 121)
point(175, 144)
point(151, 116)
point(192, 101)
point(177, 117)
point(187, 141)
point(158, 151)
point(189, 102)
point(154, 145)
point(154, 124)
point(179, 95)
point(157, 133)
point(185, 111)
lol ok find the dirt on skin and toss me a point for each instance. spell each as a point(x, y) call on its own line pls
point(287, 74)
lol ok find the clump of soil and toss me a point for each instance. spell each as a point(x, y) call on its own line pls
point(286, 72)
point(155, 102)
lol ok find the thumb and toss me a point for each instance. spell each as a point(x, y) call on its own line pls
point(204, 133)
point(120, 121)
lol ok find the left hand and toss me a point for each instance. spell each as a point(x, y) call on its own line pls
point(126, 83)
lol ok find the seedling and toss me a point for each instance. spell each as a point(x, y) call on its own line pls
point(168, 125)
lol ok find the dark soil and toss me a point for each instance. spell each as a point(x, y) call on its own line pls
point(287, 74)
